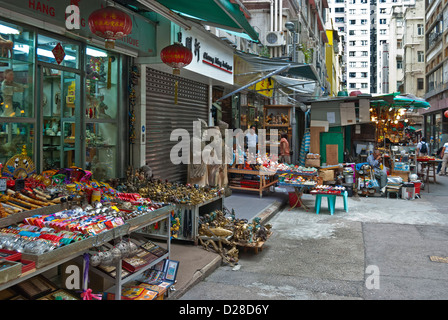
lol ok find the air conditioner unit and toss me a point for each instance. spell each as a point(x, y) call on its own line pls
point(275, 38)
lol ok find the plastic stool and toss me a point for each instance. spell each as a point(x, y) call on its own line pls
point(331, 201)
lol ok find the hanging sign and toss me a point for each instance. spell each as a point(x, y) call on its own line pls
point(58, 53)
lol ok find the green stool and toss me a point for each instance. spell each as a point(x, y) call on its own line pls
point(331, 201)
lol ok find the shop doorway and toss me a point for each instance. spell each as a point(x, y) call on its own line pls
point(58, 100)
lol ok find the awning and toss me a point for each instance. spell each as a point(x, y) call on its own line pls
point(247, 64)
point(225, 14)
point(250, 69)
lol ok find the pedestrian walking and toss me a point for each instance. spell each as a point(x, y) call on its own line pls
point(444, 156)
point(284, 150)
point(422, 147)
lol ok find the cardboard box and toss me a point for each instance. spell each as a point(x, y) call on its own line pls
point(312, 163)
point(327, 175)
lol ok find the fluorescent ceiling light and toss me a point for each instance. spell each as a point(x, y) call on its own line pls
point(8, 30)
point(95, 53)
point(49, 54)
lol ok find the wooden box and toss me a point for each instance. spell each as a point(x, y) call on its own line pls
point(9, 270)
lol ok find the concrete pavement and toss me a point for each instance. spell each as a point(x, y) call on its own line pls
point(382, 242)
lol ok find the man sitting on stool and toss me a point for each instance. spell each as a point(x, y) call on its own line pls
point(374, 161)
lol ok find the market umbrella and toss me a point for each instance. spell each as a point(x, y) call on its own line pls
point(403, 101)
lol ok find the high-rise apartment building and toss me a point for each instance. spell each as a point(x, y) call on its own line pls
point(436, 72)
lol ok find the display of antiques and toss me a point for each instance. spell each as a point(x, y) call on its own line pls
point(6, 47)
point(221, 228)
point(277, 119)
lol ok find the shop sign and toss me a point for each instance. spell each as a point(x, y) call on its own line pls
point(210, 58)
point(64, 13)
point(264, 87)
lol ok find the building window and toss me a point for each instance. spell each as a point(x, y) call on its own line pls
point(352, 74)
point(363, 21)
point(383, 31)
point(363, 74)
point(341, 29)
point(352, 21)
point(399, 44)
point(420, 29)
point(364, 85)
point(352, 11)
point(351, 32)
point(399, 64)
point(363, 31)
point(352, 43)
point(351, 53)
point(365, 53)
point(352, 64)
point(382, 10)
point(420, 56)
point(364, 64)
point(339, 9)
point(339, 19)
point(364, 42)
point(363, 11)
point(382, 21)
point(420, 84)
point(352, 85)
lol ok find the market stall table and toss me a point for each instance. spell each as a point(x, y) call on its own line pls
point(298, 190)
point(267, 179)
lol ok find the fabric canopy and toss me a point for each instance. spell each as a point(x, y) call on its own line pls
point(220, 13)
point(249, 64)
point(403, 101)
point(250, 69)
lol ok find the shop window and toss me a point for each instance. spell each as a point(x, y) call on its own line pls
point(16, 71)
point(58, 52)
point(101, 112)
point(16, 91)
point(13, 136)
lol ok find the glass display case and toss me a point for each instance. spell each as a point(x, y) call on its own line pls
point(101, 112)
point(13, 136)
point(60, 98)
point(16, 71)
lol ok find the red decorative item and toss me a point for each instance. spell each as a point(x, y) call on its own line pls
point(446, 114)
point(111, 24)
point(176, 56)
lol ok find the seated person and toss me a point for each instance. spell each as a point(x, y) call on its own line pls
point(374, 161)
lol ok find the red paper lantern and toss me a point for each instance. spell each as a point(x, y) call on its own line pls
point(176, 56)
point(446, 114)
point(111, 24)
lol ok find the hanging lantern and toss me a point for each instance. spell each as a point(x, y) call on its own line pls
point(446, 114)
point(111, 24)
point(176, 56)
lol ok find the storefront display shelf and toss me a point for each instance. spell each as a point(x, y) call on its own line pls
point(18, 217)
point(46, 261)
point(189, 218)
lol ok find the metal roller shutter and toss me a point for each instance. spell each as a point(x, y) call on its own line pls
point(163, 116)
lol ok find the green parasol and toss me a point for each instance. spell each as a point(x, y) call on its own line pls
point(402, 101)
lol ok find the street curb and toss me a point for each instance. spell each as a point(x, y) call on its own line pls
point(269, 211)
point(198, 276)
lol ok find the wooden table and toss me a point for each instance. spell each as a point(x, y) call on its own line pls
point(263, 183)
point(298, 189)
point(428, 170)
